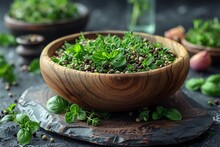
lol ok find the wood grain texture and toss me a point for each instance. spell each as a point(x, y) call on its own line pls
point(115, 92)
point(193, 49)
point(121, 129)
point(50, 31)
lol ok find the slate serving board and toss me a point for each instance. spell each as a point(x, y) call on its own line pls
point(121, 129)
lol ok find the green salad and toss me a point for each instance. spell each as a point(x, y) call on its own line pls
point(205, 33)
point(42, 11)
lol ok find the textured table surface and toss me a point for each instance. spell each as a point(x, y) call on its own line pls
point(110, 14)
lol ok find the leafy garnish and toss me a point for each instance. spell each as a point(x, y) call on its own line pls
point(57, 104)
point(27, 126)
point(6, 70)
point(7, 40)
point(34, 66)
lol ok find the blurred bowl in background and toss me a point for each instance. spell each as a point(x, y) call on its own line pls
point(50, 31)
point(193, 49)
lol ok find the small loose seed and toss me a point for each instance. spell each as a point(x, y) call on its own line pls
point(34, 134)
point(141, 59)
point(16, 101)
point(44, 137)
point(117, 72)
point(7, 87)
point(4, 112)
point(137, 120)
point(127, 72)
point(10, 94)
point(52, 140)
point(24, 68)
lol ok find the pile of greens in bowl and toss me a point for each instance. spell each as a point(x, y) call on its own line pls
point(205, 33)
point(42, 11)
point(112, 54)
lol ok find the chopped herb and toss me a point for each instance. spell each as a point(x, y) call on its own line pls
point(112, 54)
point(27, 126)
point(7, 40)
point(42, 11)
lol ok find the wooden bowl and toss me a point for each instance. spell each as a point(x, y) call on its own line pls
point(50, 31)
point(193, 49)
point(114, 92)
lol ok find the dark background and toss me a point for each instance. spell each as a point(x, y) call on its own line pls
point(111, 14)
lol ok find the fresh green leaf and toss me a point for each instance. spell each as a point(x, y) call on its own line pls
point(156, 115)
point(194, 83)
point(24, 136)
point(34, 66)
point(22, 119)
point(57, 104)
point(214, 78)
point(82, 115)
point(12, 107)
point(144, 115)
point(32, 126)
point(210, 89)
point(7, 40)
point(70, 117)
point(7, 118)
point(173, 114)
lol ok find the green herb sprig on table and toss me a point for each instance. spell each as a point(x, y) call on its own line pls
point(43, 11)
point(74, 112)
point(205, 33)
point(34, 66)
point(7, 40)
point(112, 54)
point(6, 70)
point(27, 126)
point(209, 86)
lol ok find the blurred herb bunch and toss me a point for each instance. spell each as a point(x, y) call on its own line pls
point(42, 11)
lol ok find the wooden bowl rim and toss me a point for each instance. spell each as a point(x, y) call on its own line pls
point(199, 47)
point(83, 10)
point(155, 71)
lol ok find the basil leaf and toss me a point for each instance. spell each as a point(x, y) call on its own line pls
point(34, 66)
point(32, 126)
point(173, 114)
point(144, 115)
point(22, 119)
point(7, 118)
point(160, 110)
point(82, 115)
point(194, 83)
point(57, 104)
point(74, 108)
point(12, 107)
point(24, 136)
point(70, 117)
point(156, 115)
point(214, 78)
point(210, 89)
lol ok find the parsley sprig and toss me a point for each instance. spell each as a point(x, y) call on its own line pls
point(27, 126)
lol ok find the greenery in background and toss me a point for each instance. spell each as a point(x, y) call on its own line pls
point(7, 40)
point(205, 33)
point(27, 126)
point(6, 70)
point(112, 54)
point(34, 66)
point(42, 11)
point(209, 86)
point(140, 7)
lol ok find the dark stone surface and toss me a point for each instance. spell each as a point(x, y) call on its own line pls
point(110, 14)
point(121, 129)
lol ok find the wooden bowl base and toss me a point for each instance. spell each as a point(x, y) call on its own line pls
point(121, 129)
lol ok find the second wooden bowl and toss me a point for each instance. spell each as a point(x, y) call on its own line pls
point(115, 92)
point(193, 49)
